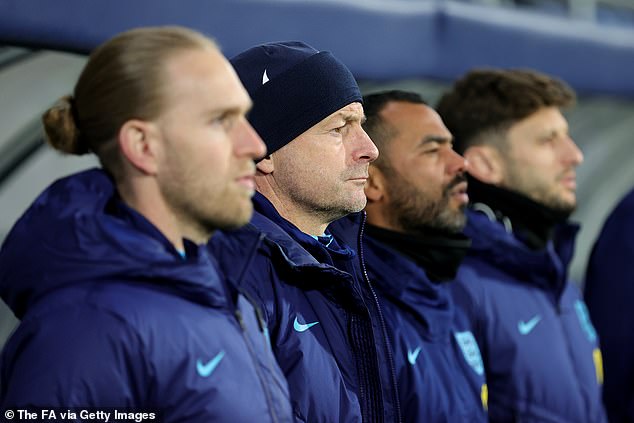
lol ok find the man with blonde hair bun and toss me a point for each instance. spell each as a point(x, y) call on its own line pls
point(120, 306)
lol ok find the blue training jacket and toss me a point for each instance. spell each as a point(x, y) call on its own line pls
point(113, 316)
point(541, 355)
point(438, 363)
point(324, 319)
point(609, 292)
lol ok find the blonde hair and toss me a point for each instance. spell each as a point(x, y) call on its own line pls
point(122, 80)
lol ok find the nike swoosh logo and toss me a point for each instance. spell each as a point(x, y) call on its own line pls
point(302, 327)
point(265, 78)
point(527, 327)
point(413, 355)
point(206, 369)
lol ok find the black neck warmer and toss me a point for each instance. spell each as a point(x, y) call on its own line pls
point(438, 253)
point(532, 222)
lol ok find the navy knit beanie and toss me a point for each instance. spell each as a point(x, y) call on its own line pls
point(293, 87)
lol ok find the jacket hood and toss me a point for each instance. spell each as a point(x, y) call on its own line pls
point(492, 243)
point(78, 232)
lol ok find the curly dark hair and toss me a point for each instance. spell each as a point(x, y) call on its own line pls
point(487, 102)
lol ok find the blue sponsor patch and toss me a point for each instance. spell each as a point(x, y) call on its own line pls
point(584, 320)
point(470, 350)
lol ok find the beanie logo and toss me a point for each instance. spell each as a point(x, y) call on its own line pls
point(265, 78)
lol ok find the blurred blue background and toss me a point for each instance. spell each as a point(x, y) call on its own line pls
point(421, 45)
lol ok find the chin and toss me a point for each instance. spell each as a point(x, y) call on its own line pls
point(359, 204)
point(243, 217)
point(563, 206)
point(236, 219)
point(569, 201)
point(232, 224)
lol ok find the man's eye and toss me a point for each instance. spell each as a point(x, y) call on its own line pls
point(225, 120)
point(548, 140)
point(338, 130)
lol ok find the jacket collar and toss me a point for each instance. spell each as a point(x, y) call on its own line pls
point(279, 229)
point(78, 232)
point(293, 249)
point(498, 246)
point(407, 285)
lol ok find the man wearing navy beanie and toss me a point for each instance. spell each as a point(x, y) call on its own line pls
point(321, 312)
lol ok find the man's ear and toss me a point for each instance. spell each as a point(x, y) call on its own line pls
point(375, 186)
point(140, 144)
point(485, 164)
point(265, 166)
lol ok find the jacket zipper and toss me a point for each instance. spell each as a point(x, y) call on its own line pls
point(247, 341)
point(388, 349)
point(263, 328)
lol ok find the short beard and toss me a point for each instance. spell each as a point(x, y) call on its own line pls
point(546, 198)
point(417, 214)
point(561, 208)
point(520, 183)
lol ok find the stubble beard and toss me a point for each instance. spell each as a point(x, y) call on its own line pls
point(547, 196)
point(417, 214)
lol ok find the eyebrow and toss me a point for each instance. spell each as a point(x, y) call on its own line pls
point(436, 138)
point(555, 132)
point(229, 110)
point(349, 117)
point(234, 106)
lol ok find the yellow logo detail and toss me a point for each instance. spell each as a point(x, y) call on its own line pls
point(484, 395)
point(598, 364)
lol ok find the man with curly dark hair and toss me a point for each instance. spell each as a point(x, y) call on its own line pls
point(541, 355)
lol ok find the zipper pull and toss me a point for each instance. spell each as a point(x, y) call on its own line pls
point(240, 320)
point(260, 318)
point(262, 324)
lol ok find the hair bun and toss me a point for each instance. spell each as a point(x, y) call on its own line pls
point(61, 128)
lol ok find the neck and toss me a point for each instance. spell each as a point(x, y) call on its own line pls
point(144, 196)
point(307, 221)
point(378, 216)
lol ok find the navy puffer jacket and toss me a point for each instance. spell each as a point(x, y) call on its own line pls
point(113, 316)
point(541, 353)
point(438, 363)
point(324, 320)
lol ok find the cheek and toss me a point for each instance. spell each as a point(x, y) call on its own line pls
point(317, 170)
point(535, 166)
point(426, 185)
point(543, 158)
point(215, 161)
point(428, 178)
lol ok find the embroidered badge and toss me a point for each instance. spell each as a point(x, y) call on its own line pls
point(470, 350)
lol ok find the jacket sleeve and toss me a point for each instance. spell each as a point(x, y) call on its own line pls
point(609, 294)
point(76, 358)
